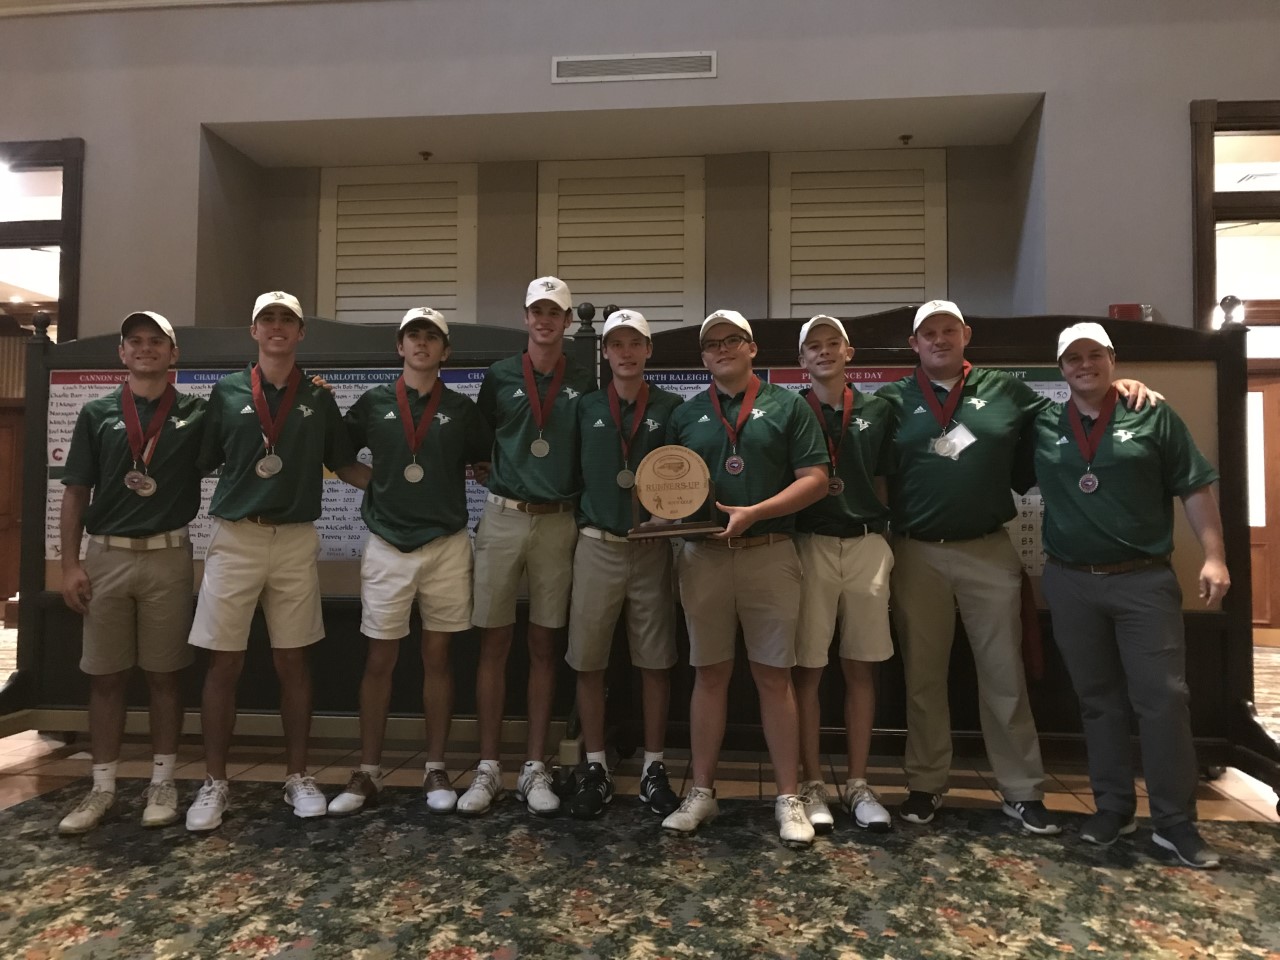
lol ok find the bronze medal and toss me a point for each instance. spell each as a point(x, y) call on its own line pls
point(835, 487)
point(735, 464)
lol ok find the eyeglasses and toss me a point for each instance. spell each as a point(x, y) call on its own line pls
point(731, 342)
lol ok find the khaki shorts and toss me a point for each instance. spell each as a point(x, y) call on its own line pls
point(758, 587)
point(140, 612)
point(845, 580)
point(437, 575)
point(510, 544)
point(247, 563)
point(610, 578)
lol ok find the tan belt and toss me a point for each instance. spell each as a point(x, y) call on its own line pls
point(742, 543)
point(161, 541)
point(595, 533)
point(1102, 569)
point(533, 509)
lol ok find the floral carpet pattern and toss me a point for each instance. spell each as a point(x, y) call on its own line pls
point(397, 882)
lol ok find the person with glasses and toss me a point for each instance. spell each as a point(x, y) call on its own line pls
point(421, 435)
point(272, 432)
point(530, 401)
point(614, 576)
point(768, 460)
point(846, 561)
point(134, 453)
point(1109, 476)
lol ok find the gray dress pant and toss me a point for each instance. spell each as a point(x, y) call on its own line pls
point(1121, 636)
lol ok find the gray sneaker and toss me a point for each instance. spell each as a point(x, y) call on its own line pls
point(206, 811)
point(88, 812)
point(162, 804)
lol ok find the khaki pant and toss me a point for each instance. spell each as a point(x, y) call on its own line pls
point(984, 579)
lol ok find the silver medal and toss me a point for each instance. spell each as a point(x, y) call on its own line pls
point(539, 448)
point(626, 479)
point(735, 464)
point(1088, 482)
point(268, 466)
point(835, 487)
point(414, 473)
point(944, 447)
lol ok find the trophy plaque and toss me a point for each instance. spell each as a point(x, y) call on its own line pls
point(673, 484)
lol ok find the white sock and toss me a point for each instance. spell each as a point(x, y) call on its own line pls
point(104, 776)
point(434, 765)
point(600, 757)
point(162, 767)
point(648, 759)
point(372, 769)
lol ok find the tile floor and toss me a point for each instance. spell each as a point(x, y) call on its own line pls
point(31, 765)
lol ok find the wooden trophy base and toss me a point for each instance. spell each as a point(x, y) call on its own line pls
point(680, 528)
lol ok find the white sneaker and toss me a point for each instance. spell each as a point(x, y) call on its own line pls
point(88, 812)
point(439, 793)
point(793, 826)
point(205, 812)
point(301, 793)
point(162, 804)
point(361, 791)
point(698, 807)
point(814, 794)
point(485, 790)
point(865, 807)
point(535, 789)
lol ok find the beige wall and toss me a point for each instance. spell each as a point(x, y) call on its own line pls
point(1107, 178)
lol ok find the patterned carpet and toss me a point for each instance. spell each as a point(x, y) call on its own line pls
point(397, 882)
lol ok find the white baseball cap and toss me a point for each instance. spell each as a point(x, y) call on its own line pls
point(165, 326)
point(726, 316)
point(821, 320)
point(280, 298)
point(434, 317)
point(625, 318)
point(927, 310)
point(1083, 331)
point(549, 288)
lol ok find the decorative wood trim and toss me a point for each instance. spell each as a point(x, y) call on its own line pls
point(1204, 249)
point(1262, 313)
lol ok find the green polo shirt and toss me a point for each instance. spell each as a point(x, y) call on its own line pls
point(781, 437)
point(100, 457)
point(604, 504)
point(517, 473)
point(313, 436)
point(408, 515)
point(1144, 460)
point(936, 498)
point(865, 452)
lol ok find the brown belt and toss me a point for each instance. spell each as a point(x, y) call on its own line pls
point(742, 543)
point(1102, 569)
point(261, 520)
point(533, 509)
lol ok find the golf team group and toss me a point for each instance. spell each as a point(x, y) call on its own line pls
point(830, 500)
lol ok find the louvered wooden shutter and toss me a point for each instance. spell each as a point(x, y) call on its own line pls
point(856, 232)
point(627, 232)
point(392, 238)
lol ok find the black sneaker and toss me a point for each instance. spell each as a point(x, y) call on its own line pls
point(656, 792)
point(595, 790)
point(1033, 815)
point(1185, 842)
point(1104, 828)
point(919, 806)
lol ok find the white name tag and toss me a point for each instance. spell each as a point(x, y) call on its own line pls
point(954, 442)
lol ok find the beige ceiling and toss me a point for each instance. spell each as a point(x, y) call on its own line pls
point(606, 134)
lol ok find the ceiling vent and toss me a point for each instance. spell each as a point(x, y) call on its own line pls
point(634, 66)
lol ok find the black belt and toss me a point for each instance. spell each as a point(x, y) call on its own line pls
point(1105, 569)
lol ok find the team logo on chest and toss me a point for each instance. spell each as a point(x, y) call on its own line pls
point(306, 411)
point(177, 424)
point(651, 424)
point(861, 424)
point(570, 392)
point(443, 419)
point(976, 403)
point(1123, 435)
point(756, 414)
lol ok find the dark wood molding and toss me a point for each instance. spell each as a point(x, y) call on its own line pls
point(1204, 247)
point(1262, 313)
point(1263, 367)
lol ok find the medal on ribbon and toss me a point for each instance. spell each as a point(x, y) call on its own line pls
point(540, 407)
point(415, 433)
point(142, 445)
point(943, 445)
point(1088, 443)
point(626, 476)
point(271, 464)
point(734, 464)
point(835, 484)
